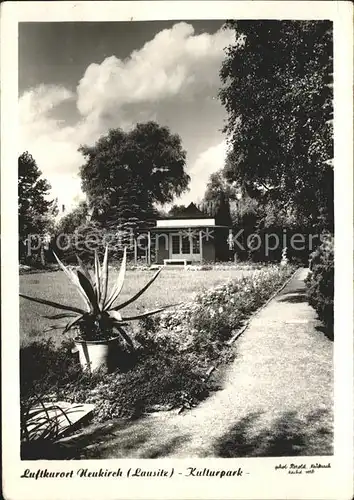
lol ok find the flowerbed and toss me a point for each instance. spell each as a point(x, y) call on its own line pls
point(199, 328)
point(172, 355)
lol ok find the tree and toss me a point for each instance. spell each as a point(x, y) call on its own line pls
point(134, 214)
point(176, 210)
point(277, 91)
point(219, 186)
point(148, 156)
point(217, 200)
point(35, 210)
point(220, 197)
point(71, 221)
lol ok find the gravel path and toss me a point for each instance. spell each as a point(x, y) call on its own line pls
point(276, 400)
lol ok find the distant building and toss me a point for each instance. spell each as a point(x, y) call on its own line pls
point(190, 236)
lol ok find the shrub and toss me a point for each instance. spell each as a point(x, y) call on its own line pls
point(45, 368)
point(157, 380)
point(320, 281)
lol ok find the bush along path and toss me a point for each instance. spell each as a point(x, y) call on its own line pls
point(276, 398)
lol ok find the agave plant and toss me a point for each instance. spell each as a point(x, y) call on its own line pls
point(102, 319)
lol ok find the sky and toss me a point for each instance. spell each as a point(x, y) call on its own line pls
point(78, 80)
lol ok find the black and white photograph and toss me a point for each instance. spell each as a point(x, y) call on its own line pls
point(177, 231)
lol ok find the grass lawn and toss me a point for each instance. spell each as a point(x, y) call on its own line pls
point(172, 286)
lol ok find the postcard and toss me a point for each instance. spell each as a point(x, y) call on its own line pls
point(177, 298)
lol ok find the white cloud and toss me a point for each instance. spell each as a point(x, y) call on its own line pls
point(40, 101)
point(53, 146)
point(207, 162)
point(170, 79)
point(175, 61)
point(66, 188)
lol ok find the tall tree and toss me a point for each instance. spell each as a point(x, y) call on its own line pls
point(149, 157)
point(134, 213)
point(35, 210)
point(218, 185)
point(277, 91)
point(219, 196)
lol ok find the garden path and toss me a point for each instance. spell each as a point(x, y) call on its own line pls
point(276, 399)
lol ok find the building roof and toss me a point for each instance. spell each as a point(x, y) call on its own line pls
point(174, 229)
point(190, 212)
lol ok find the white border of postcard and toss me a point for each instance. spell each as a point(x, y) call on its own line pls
point(262, 480)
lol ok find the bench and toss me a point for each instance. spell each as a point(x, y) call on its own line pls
point(174, 261)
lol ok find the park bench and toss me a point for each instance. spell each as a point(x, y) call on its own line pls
point(167, 262)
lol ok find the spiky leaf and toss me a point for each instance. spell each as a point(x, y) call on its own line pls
point(97, 277)
point(60, 316)
point(146, 314)
point(120, 282)
point(104, 279)
point(74, 279)
point(85, 270)
point(53, 304)
point(72, 323)
point(115, 315)
point(81, 290)
point(137, 295)
point(124, 335)
point(88, 289)
point(54, 327)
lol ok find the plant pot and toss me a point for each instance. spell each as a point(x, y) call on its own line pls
point(95, 354)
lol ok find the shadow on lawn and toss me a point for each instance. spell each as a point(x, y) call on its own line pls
point(121, 439)
point(148, 438)
point(289, 436)
point(67, 448)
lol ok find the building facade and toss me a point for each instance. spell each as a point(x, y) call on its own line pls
point(190, 237)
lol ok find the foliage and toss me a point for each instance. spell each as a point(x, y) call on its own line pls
point(232, 206)
point(148, 157)
point(176, 210)
point(277, 91)
point(101, 320)
point(40, 361)
point(74, 219)
point(35, 211)
point(47, 428)
point(157, 379)
point(218, 185)
point(217, 201)
point(40, 430)
point(320, 281)
point(218, 198)
point(133, 215)
point(87, 238)
point(44, 371)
